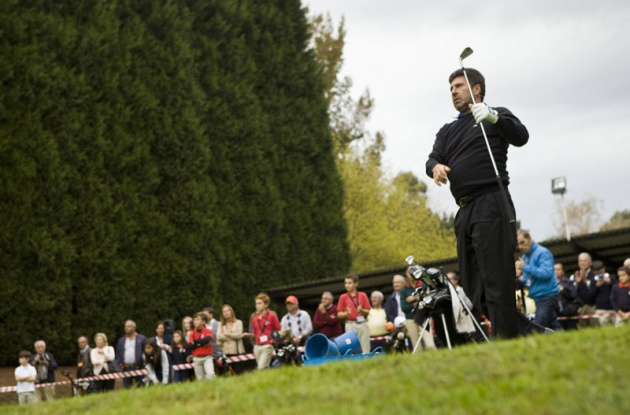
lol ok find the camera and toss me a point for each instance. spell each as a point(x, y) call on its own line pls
point(601, 277)
point(286, 350)
point(398, 341)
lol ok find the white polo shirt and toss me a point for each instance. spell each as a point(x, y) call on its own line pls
point(24, 372)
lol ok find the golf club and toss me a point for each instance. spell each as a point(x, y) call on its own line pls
point(466, 53)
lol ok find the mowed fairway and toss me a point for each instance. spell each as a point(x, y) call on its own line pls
point(585, 372)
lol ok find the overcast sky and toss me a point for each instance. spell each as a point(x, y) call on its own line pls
point(562, 67)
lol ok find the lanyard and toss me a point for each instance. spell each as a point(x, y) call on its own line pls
point(262, 326)
point(357, 304)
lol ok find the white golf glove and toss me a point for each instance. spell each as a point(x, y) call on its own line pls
point(483, 112)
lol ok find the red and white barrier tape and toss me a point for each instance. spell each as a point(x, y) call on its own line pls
point(231, 359)
point(119, 375)
point(588, 316)
point(38, 385)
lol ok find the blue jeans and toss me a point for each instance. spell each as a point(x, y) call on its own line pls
point(547, 312)
point(180, 376)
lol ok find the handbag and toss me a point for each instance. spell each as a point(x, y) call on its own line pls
point(113, 367)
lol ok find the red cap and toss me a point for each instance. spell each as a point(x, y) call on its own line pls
point(291, 299)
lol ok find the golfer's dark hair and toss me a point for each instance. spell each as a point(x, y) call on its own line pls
point(474, 76)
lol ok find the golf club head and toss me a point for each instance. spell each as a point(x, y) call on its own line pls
point(465, 53)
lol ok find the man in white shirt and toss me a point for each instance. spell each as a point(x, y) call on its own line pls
point(298, 321)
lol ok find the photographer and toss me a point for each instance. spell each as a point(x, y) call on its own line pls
point(535, 269)
point(570, 303)
point(599, 293)
point(45, 365)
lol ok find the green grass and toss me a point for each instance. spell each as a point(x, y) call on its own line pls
point(585, 372)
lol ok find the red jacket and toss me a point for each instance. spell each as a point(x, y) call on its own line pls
point(195, 336)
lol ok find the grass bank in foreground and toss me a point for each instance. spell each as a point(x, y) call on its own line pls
point(583, 372)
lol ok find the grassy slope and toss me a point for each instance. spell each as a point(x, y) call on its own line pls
point(565, 373)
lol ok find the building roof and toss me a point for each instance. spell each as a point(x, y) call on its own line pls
point(611, 247)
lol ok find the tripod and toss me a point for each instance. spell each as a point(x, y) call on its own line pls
point(440, 296)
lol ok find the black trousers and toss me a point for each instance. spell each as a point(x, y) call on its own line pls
point(485, 252)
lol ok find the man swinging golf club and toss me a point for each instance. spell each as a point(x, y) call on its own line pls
point(471, 153)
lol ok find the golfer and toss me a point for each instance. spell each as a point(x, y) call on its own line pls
point(485, 237)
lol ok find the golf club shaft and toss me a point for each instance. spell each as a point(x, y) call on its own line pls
point(508, 208)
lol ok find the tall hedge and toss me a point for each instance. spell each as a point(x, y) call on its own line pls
point(156, 157)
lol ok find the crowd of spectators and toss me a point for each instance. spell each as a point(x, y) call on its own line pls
point(589, 297)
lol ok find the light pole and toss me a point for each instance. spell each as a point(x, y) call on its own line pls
point(559, 187)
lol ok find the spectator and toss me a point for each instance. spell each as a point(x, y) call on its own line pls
point(230, 336)
point(213, 325)
point(84, 362)
point(325, 320)
point(201, 345)
point(536, 270)
point(129, 350)
point(45, 365)
point(162, 338)
point(103, 359)
point(583, 278)
point(620, 296)
point(626, 263)
point(376, 320)
point(569, 301)
point(187, 327)
point(413, 331)
point(354, 306)
point(393, 307)
point(262, 324)
point(455, 278)
point(25, 376)
point(599, 293)
point(156, 362)
point(296, 320)
point(179, 356)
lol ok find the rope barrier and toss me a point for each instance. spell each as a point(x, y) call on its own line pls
point(118, 375)
point(588, 316)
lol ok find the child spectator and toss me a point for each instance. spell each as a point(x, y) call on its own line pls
point(354, 307)
point(25, 376)
point(201, 345)
point(156, 363)
point(262, 324)
point(179, 356)
point(620, 296)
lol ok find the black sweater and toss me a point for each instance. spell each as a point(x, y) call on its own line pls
point(460, 145)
